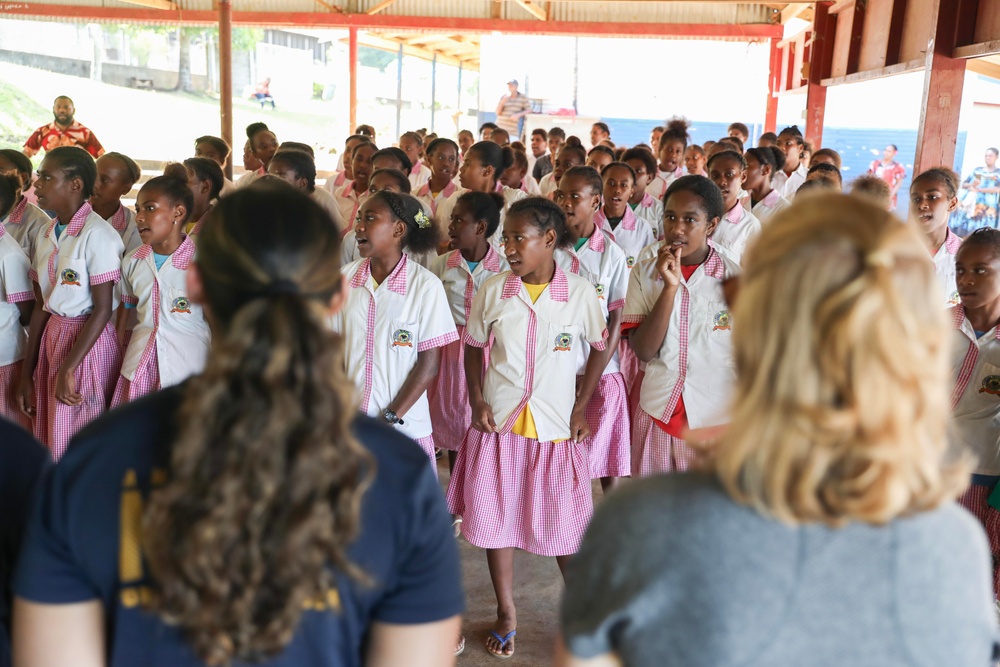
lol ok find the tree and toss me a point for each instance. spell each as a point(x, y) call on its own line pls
point(184, 38)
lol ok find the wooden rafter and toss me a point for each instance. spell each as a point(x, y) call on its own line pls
point(380, 6)
point(532, 8)
point(795, 11)
point(166, 5)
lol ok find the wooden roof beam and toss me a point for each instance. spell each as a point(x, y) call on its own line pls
point(532, 8)
point(166, 5)
point(793, 11)
point(385, 4)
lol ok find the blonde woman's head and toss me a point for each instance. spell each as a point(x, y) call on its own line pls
point(843, 382)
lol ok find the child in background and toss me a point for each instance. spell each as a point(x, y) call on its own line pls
point(643, 204)
point(171, 338)
point(465, 141)
point(353, 194)
point(791, 177)
point(263, 145)
point(444, 163)
point(517, 176)
point(298, 168)
point(762, 164)
point(975, 360)
point(616, 217)
point(874, 189)
point(555, 140)
point(396, 311)
point(933, 197)
point(694, 160)
point(391, 158)
point(599, 157)
point(412, 144)
point(595, 257)
point(740, 131)
point(17, 300)
point(500, 137)
point(218, 151)
point(204, 179)
point(569, 156)
point(673, 143)
point(472, 260)
point(344, 172)
point(826, 172)
point(826, 156)
point(116, 174)
point(24, 220)
point(728, 170)
point(768, 139)
point(522, 476)
point(678, 323)
point(73, 358)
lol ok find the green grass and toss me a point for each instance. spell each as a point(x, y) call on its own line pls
point(19, 116)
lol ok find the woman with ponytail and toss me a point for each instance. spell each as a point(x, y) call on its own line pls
point(248, 515)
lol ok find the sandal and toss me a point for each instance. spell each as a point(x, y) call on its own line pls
point(503, 644)
point(456, 526)
point(460, 646)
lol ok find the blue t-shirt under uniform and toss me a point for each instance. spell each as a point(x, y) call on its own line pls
point(74, 549)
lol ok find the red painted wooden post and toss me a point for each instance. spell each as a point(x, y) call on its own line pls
point(226, 80)
point(944, 79)
point(773, 76)
point(819, 64)
point(352, 54)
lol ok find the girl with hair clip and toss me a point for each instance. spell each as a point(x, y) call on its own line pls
point(73, 357)
point(395, 311)
point(24, 220)
point(616, 218)
point(263, 144)
point(471, 261)
point(792, 175)
point(249, 515)
point(933, 198)
point(762, 164)
point(444, 166)
point(17, 299)
point(595, 257)
point(484, 165)
point(298, 169)
point(830, 493)
point(644, 205)
point(678, 324)
point(355, 192)
point(738, 226)
point(170, 339)
point(116, 174)
point(569, 156)
point(522, 477)
point(205, 180)
point(673, 143)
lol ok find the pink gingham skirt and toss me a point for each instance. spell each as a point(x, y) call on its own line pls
point(516, 492)
point(55, 422)
point(974, 500)
point(448, 396)
point(609, 445)
point(427, 444)
point(629, 364)
point(654, 451)
point(10, 377)
point(145, 380)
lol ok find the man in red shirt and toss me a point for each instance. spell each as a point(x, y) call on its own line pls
point(63, 131)
point(889, 170)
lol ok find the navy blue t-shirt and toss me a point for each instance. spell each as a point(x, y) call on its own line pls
point(74, 548)
point(22, 461)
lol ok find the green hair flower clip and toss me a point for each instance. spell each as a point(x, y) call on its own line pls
point(423, 220)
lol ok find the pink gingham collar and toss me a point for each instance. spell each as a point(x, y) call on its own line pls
point(396, 281)
point(647, 200)
point(180, 258)
point(629, 220)
point(952, 242)
point(119, 220)
point(958, 319)
point(348, 190)
point(17, 213)
point(449, 190)
point(713, 266)
point(735, 214)
point(558, 288)
point(76, 222)
point(771, 198)
point(491, 262)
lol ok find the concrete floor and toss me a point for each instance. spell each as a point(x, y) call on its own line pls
point(538, 587)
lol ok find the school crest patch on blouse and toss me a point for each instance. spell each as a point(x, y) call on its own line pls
point(402, 338)
point(600, 290)
point(564, 342)
point(69, 277)
point(991, 385)
point(180, 305)
point(723, 322)
point(954, 299)
point(630, 261)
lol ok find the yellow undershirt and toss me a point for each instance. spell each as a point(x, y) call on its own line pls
point(525, 424)
point(189, 227)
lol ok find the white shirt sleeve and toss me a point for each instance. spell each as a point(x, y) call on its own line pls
point(437, 327)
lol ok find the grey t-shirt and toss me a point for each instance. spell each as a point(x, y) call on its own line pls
point(674, 572)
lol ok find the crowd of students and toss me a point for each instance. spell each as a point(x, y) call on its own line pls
point(548, 315)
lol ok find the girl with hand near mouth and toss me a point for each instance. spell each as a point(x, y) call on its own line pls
point(444, 161)
point(462, 271)
point(617, 218)
point(171, 338)
point(678, 323)
point(73, 358)
point(933, 197)
point(728, 170)
point(522, 477)
point(595, 256)
point(24, 219)
point(396, 311)
point(17, 300)
point(116, 174)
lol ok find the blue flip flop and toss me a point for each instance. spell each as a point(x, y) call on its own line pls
point(503, 644)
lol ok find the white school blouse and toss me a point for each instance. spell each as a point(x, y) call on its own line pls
point(89, 252)
point(944, 267)
point(695, 358)
point(535, 346)
point(430, 201)
point(650, 209)
point(460, 284)
point(165, 316)
point(123, 221)
point(975, 399)
point(632, 234)
point(24, 223)
point(329, 204)
point(548, 184)
point(736, 228)
point(788, 184)
point(385, 327)
point(658, 186)
point(769, 205)
point(350, 203)
point(15, 288)
point(419, 175)
point(601, 263)
point(510, 195)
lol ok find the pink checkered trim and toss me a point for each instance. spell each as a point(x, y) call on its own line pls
point(975, 500)
point(75, 223)
point(601, 344)
point(615, 305)
point(107, 277)
point(529, 371)
point(559, 287)
point(469, 340)
point(440, 341)
point(633, 319)
point(396, 281)
point(118, 220)
point(33, 275)
point(366, 394)
point(20, 297)
point(771, 199)
point(952, 242)
point(735, 214)
point(17, 213)
point(511, 287)
point(682, 363)
point(127, 298)
point(647, 200)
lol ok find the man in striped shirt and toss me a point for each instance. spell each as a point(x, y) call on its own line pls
point(511, 109)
